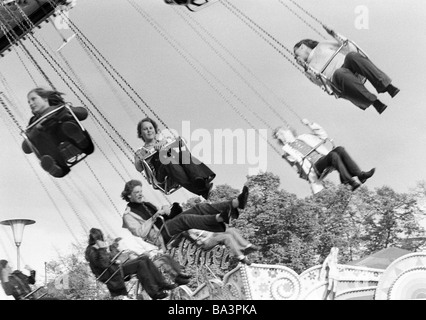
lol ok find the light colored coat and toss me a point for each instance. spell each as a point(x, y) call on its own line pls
point(305, 167)
point(145, 229)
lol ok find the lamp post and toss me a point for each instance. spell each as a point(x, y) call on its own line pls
point(17, 226)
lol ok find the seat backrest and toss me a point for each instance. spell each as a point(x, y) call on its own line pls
point(322, 143)
point(329, 86)
point(70, 153)
point(177, 144)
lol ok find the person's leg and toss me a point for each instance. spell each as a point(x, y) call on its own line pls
point(150, 280)
point(333, 159)
point(184, 222)
point(228, 240)
point(348, 162)
point(352, 167)
point(239, 240)
point(360, 64)
point(352, 88)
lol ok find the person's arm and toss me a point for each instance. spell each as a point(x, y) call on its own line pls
point(139, 156)
point(351, 46)
point(137, 228)
point(316, 129)
point(31, 278)
point(338, 37)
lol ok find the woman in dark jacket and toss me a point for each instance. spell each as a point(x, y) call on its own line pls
point(99, 258)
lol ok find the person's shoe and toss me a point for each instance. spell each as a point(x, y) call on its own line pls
point(26, 147)
point(363, 176)
point(200, 183)
point(73, 131)
point(159, 295)
point(169, 286)
point(393, 91)
point(251, 248)
point(175, 210)
point(49, 165)
point(242, 198)
point(245, 261)
point(354, 185)
point(379, 106)
point(181, 280)
point(207, 194)
point(225, 216)
point(184, 275)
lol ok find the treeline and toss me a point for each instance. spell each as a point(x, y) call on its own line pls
point(297, 233)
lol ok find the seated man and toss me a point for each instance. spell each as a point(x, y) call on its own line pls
point(231, 238)
point(16, 283)
point(48, 135)
point(141, 217)
point(99, 258)
point(311, 167)
point(343, 72)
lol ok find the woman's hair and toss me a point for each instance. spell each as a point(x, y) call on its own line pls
point(139, 128)
point(307, 42)
point(95, 235)
point(128, 188)
point(3, 264)
point(53, 97)
point(275, 132)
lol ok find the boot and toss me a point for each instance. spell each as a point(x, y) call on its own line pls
point(49, 164)
point(363, 176)
point(393, 91)
point(379, 106)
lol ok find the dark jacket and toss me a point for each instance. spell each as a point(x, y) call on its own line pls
point(19, 284)
point(99, 260)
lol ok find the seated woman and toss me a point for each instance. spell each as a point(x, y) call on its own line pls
point(99, 258)
point(141, 218)
point(310, 156)
point(157, 256)
point(343, 72)
point(182, 168)
point(16, 283)
point(231, 238)
point(47, 135)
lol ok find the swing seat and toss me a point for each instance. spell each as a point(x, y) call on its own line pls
point(70, 152)
point(328, 85)
point(167, 186)
point(35, 295)
point(327, 170)
point(192, 5)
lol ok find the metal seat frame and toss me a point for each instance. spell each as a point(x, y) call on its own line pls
point(72, 158)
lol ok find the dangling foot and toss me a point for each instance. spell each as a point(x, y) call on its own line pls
point(244, 260)
point(393, 91)
point(26, 147)
point(250, 248)
point(168, 286)
point(242, 198)
point(159, 295)
point(73, 131)
point(354, 184)
point(180, 280)
point(49, 165)
point(363, 176)
point(379, 106)
point(207, 194)
point(224, 215)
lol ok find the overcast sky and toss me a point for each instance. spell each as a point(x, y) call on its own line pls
point(203, 73)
